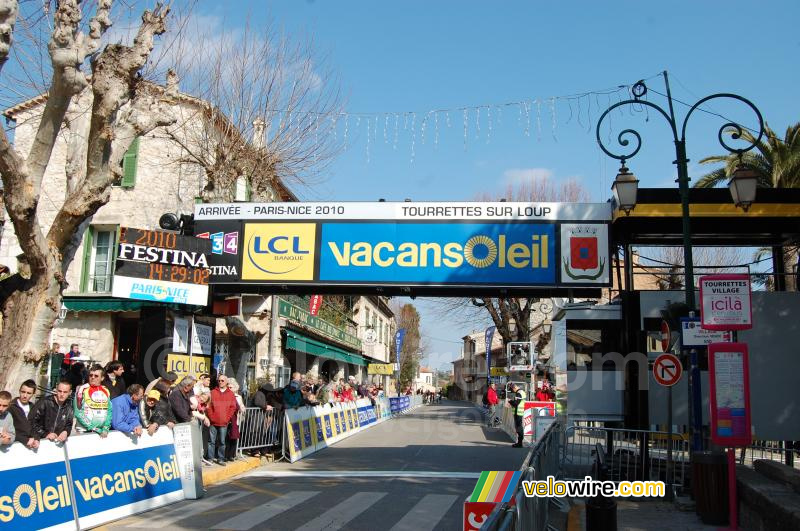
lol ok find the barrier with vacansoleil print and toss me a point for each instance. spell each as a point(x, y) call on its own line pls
point(310, 429)
point(89, 479)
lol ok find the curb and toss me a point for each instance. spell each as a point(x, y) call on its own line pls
point(214, 475)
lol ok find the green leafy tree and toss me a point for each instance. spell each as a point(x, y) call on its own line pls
point(776, 161)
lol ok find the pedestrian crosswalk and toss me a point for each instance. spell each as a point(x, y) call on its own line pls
point(307, 510)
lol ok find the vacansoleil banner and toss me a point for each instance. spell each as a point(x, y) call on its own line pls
point(411, 244)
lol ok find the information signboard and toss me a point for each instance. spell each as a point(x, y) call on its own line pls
point(694, 335)
point(161, 266)
point(725, 302)
point(728, 371)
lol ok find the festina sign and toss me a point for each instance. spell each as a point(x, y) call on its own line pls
point(725, 302)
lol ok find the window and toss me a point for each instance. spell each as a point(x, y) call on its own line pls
point(98, 260)
point(380, 332)
point(367, 321)
point(242, 191)
point(129, 162)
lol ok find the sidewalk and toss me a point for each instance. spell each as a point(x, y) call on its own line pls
point(644, 515)
point(216, 474)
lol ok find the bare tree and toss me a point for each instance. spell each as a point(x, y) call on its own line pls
point(666, 263)
point(269, 106)
point(512, 315)
point(121, 106)
point(408, 318)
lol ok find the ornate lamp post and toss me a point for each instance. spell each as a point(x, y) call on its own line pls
point(742, 188)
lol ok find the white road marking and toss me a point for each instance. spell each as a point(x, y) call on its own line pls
point(426, 514)
point(186, 510)
point(338, 516)
point(264, 512)
point(360, 474)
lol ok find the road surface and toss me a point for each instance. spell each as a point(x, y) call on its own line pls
point(409, 473)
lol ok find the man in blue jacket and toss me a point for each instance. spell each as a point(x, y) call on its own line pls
point(125, 411)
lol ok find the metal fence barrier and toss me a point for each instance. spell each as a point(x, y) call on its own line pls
point(780, 451)
point(631, 455)
point(261, 429)
point(531, 513)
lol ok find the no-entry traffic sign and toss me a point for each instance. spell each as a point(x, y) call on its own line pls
point(667, 370)
point(665, 335)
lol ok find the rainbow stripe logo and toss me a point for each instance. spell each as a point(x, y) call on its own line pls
point(497, 487)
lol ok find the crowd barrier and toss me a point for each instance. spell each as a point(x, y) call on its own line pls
point(310, 429)
point(89, 481)
point(533, 409)
point(260, 429)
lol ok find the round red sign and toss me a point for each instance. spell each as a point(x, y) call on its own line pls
point(665, 336)
point(667, 369)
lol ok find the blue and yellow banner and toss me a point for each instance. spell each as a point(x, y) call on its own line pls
point(438, 253)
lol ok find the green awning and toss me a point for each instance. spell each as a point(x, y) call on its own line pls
point(102, 304)
point(301, 343)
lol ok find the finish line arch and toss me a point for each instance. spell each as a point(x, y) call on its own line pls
point(405, 248)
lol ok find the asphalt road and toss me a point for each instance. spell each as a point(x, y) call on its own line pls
point(412, 472)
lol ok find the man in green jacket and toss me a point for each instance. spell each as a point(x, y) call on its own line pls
point(93, 404)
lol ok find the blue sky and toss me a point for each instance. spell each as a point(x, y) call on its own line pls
point(398, 58)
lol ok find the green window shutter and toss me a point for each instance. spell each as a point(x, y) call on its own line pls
point(87, 259)
point(129, 165)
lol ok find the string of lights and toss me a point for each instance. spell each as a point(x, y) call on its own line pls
point(480, 122)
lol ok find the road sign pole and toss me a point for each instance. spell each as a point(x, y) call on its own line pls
point(697, 410)
point(669, 443)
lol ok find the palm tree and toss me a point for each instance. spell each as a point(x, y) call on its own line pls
point(777, 163)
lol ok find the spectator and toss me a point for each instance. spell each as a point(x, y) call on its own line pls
point(51, 419)
point(125, 411)
point(180, 401)
point(169, 380)
point(491, 402)
point(21, 409)
point(69, 357)
point(93, 405)
point(113, 380)
point(155, 410)
point(236, 422)
point(323, 391)
point(221, 411)
point(199, 410)
point(271, 403)
point(77, 374)
point(203, 384)
point(346, 394)
point(292, 396)
point(7, 433)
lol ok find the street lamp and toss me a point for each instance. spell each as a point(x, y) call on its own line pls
point(625, 187)
point(743, 185)
point(742, 189)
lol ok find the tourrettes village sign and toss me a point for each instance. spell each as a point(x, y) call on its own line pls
point(408, 244)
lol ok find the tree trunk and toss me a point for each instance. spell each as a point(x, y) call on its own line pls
point(790, 266)
point(29, 314)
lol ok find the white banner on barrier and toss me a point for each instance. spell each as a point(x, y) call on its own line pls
point(309, 430)
point(119, 475)
point(111, 478)
point(34, 490)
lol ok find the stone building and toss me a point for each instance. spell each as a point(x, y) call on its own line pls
point(243, 337)
point(157, 180)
